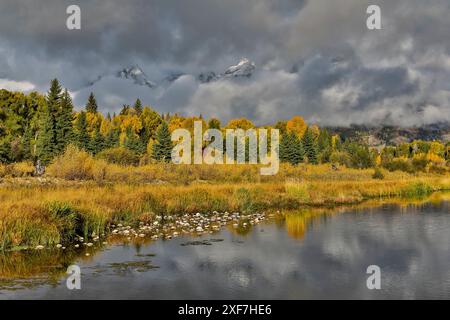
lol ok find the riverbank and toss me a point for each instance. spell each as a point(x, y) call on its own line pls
point(50, 210)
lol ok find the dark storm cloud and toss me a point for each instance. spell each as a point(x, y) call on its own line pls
point(314, 58)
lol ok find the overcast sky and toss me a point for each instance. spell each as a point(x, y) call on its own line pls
point(313, 58)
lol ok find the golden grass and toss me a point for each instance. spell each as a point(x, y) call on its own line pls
point(99, 194)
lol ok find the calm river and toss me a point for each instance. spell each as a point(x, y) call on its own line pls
point(299, 256)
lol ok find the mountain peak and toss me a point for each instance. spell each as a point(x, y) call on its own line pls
point(244, 68)
point(136, 74)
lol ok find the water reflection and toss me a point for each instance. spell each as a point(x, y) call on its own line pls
point(314, 253)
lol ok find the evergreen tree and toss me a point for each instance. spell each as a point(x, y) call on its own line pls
point(46, 137)
point(27, 143)
point(91, 105)
point(138, 107)
point(324, 145)
point(112, 139)
point(162, 148)
point(291, 149)
point(310, 146)
point(54, 97)
point(82, 135)
point(214, 124)
point(133, 143)
point(46, 144)
point(64, 127)
point(97, 142)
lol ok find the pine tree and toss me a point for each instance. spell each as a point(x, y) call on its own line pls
point(27, 142)
point(214, 124)
point(324, 144)
point(112, 138)
point(64, 118)
point(291, 149)
point(138, 107)
point(91, 105)
point(162, 148)
point(82, 135)
point(46, 144)
point(46, 137)
point(97, 142)
point(310, 146)
point(133, 143)
point(54, 97)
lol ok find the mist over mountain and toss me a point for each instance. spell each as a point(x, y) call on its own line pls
point(259, 59)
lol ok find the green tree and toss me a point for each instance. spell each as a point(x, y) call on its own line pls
point(64, 126)
point(162, 148)
point(97, 142)
point(91, 105)
point(81, 132)
point(310, 146)
point(46, 137)
point(291, 149)
point(46, 144)
point(54, 97)
point(324, 144)
point(133, 142)
point(112, 139)
point(214, 124)
point(138, 107)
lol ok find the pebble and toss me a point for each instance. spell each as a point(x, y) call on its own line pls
point(39, 247)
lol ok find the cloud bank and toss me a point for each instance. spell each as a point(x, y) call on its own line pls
point(313, 58)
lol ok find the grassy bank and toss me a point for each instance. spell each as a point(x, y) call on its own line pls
point(58, 207)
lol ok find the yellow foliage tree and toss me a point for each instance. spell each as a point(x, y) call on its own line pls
point(94, 121)
point(315, 130)
point(175, 122)
point(296, 125)
point(241, 123)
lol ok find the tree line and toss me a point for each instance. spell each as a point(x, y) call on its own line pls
point(40, 127)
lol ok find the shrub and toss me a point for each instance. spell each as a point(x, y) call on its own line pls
point(418, 189)
point(119, 155)
point(341, 158)
point(378, 174)
point(437, 169)
point(399, 164)
point(20, 169)
point(419, 162)
point(73, 164)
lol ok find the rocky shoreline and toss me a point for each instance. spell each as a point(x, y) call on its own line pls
point(167, 227)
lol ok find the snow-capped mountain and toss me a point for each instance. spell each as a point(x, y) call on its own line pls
point(136, 74)
point(244, 68)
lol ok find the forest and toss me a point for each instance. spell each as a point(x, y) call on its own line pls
point(40, 127)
